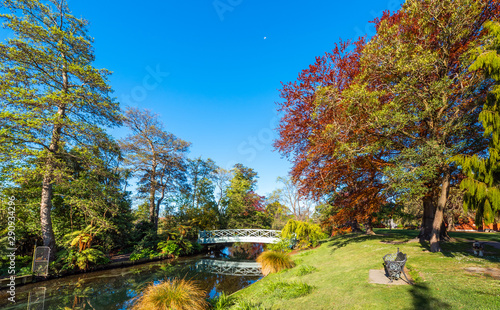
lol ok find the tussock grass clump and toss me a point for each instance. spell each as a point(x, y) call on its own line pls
point(272, 262)
point(288, 290)
point(176, 294)
point(305, 269)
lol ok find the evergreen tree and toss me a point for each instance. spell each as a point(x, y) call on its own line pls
point(51, 97)
point(245, 209)
point(482, 184)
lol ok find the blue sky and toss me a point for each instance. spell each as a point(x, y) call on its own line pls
point(212, 69)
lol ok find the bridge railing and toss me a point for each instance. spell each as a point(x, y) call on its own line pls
point(210, 236)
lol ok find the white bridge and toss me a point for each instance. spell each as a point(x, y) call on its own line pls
point(231, 268)
point(238, 235)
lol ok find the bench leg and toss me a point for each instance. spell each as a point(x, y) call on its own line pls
point(404, 273)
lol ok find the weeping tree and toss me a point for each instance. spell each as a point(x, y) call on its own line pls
point(482, 184)
point(51, 96)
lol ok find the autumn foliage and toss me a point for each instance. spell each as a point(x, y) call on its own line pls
point(379, 120)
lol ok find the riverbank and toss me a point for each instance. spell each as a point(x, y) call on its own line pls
point(120, 262)
point(338, 272)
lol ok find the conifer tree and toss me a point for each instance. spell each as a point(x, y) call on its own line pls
point(482, 184)
point(51, 97)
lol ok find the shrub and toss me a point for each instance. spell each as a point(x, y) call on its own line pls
point(169, 247)
point(272, 262)
point(176, 294)
point(288, 290)
point(149, 241)
point(283, 245)
point(306, 233)
point(72, 259)
point(145, 253)
point(179, 247)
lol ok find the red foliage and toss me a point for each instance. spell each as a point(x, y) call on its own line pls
point(302, 137)
point(305, 126)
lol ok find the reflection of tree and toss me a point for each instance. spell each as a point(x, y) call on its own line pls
point(117, 288)
point(245, 250)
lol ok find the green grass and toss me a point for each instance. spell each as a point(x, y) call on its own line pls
point(222, 302)
point(287, 289)
point(305, 269)
point(341, 278)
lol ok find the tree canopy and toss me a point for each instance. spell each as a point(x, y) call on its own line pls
point(379, 120)
point(51, 98)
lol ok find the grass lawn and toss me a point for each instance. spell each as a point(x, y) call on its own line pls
point(338, 271)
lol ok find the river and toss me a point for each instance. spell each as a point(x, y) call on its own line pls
point(226, 271)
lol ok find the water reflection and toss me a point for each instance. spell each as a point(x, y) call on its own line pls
point(231, 268)
point(36, 299)
point(118, 288)
point(248, 251)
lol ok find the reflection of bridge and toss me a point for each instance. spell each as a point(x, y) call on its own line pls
point(238, 235)
point(231, 268)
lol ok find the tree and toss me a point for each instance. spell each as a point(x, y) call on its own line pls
point(245, 209)
point(50, 94)
point(422, 100)
point(322, 168)
point(399, 113)
point(278, 212)
point(222, 183)
point(200, 174)
point(482, 184)
point(197, 203)
point(155, 156)
point(299, 206)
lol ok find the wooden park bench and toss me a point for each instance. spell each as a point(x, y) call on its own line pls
point(394, 264)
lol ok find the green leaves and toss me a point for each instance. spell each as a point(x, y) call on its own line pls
point(53, 104)
point(483, 173)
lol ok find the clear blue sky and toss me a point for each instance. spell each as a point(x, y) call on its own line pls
point(224, 59)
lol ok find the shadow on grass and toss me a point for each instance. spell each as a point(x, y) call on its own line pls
point(341, 241)
point(422, 298)
point(452, 248)
point(464, 248)
point(389, 237)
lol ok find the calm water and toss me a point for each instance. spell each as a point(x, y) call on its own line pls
point(227, 271)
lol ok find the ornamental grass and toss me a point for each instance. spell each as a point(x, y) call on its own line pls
point(178, 294)
point(272, 262)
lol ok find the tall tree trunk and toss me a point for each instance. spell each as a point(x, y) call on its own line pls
point(47, 192)
point(152, 192)
point(45, 217)
point(158, 204)
point(428, 218)
point(437, 225)
point(369, 227)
